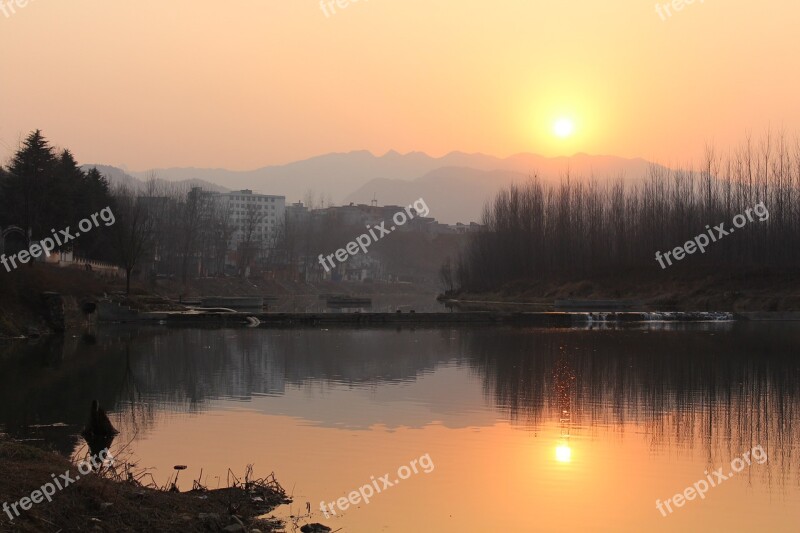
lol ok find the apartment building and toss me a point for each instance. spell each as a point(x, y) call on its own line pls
point(260, 215)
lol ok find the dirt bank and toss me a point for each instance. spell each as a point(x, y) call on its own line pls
point(97, 503)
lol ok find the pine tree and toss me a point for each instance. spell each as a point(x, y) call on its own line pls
point(26, 185)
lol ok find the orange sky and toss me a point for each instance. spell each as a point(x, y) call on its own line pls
point(247, 83)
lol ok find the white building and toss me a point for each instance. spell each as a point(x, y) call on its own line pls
point(264, 213)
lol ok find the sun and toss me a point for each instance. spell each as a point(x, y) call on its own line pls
point(563, 127)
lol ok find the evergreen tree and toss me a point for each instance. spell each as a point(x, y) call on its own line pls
point(26, 184)
point(96, 196)
point(41, 191)
point(66, 198)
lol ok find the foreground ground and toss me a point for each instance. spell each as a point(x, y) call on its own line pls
point(97, 503)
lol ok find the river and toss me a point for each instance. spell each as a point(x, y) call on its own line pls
point(493, 429)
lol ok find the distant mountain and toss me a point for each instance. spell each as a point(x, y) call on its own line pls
point(459, 193)
point(336, 175)
point(459, 183)
point(117, 176)
point(453, 194)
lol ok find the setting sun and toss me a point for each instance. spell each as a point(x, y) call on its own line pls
point(563, 127)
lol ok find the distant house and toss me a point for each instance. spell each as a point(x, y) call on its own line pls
point(464, 228)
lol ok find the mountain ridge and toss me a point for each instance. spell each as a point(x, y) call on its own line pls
point(396, 178)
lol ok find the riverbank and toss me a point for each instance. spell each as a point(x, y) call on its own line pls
point(27, 311)
point(96, 503)
point(214, 319)
point(45, 299)
point(701, 289)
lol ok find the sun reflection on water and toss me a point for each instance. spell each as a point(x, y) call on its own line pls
point(563, 453)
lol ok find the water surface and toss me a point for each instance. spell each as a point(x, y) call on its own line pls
point(528, 429)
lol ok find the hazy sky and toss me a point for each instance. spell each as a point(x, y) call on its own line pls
point(247, 83)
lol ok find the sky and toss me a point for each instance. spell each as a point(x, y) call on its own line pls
point(248, 83)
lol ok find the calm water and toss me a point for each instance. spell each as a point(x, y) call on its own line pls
point(527, 429)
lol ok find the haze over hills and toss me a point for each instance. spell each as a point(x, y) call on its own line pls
point(453, 194)
point(117, 176)
point(455, 186)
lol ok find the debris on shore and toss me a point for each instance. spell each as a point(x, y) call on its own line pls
point(119, 498)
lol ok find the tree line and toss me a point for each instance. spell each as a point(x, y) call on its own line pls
point(175, 231)
point(583, 228)
point(42, 189)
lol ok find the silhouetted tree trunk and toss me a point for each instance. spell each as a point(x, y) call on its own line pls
point(133, 231)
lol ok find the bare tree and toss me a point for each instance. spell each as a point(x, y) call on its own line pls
point(581, 228)
point(252, 239)
point(134, 230)
point(220, 229)
point(193, 216)
point(446, 277)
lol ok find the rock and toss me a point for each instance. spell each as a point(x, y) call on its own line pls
point(315, 528)
point(105, 505)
